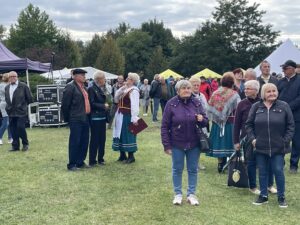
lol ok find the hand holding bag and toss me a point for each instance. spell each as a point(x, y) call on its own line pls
point(237, 173)
point(203, 140)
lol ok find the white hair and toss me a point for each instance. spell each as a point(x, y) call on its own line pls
point(99, 74)
point(253, 84)
point(182, 83)
point(135, 77)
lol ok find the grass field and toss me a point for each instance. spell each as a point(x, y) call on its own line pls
point(36, 188)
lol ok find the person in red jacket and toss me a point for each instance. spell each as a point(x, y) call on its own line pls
point(214, 84)
point(205, 88)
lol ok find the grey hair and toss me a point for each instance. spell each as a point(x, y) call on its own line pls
point(182, 84)
point(252, 72)
point(99, 74)
point(253, 84)
point(265, 87)
point(135, 77)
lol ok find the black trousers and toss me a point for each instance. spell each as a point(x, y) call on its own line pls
point(97, 142)
point(17, 128)
point(295, 154)
point(78, 143)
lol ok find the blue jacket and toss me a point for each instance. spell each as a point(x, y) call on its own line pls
point(289, 91)
point(178, 127)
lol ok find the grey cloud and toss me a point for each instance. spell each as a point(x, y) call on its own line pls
point(182, 16)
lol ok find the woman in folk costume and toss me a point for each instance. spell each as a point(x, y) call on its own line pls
point(128, 110)
point(220, 111)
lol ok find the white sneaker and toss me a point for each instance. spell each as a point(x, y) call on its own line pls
point(255, 191)
point(1, 142)
point(272, 190)
point(201, 167)
point(10, 141)
point(145, 114)
point(192, 199)
point(177, 200)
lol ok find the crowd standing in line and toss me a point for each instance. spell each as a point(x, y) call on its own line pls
point(269, 123)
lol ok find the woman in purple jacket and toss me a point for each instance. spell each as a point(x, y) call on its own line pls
point(179, 137)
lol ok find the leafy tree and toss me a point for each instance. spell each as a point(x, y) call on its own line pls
point(2, 32)
point(92, 51)
point(33, 29)
point(157, 63)
point(120, 31)
point(110, 58)
point(67, 52)
point(136, 47)
point(160, 36)
point(236, 37)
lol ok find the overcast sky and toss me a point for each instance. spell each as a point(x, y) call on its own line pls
point(83, 18)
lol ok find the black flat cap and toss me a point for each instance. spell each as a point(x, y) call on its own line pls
point(79, 71)
point(289, 63)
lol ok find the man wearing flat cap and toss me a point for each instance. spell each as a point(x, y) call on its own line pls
point(76, 108)
point(289, 91)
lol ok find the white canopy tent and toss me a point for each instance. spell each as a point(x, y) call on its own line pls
point(287, 50)
point(66, 73)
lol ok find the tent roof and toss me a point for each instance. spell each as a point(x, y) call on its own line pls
point(287, 50)
point(66, 73)
point(207, 73)
point(9, 61)
point(167, 73)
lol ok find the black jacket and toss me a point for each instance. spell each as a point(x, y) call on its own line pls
point(155, 89)
point(273, 129)
point(73, 106)
point(22, 97)
point(272, 80)
point(97, 101)
point(289, 91)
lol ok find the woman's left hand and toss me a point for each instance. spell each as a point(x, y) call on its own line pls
point(199, 117)
point(135, 123)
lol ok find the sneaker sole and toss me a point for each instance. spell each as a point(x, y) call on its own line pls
point(283, 206)
point(254, 203)
point(192, 204)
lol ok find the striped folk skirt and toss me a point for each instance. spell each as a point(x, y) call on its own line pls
point(127, 140)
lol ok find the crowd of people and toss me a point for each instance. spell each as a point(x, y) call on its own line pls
point(262, 111)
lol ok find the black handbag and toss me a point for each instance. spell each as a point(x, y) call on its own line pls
point(237, 173)
point(204, 141)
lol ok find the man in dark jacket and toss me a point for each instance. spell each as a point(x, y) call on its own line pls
point(155, 93)
point(76, 108)
point(265, 76)
point(289, 91)
point(17, 97)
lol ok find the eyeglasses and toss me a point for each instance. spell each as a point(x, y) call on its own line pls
point(286, 68)
point(250, 89)
point(12, 76)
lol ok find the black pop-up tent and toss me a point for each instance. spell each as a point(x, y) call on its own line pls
point(9, 61)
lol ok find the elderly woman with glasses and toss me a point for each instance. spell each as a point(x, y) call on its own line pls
point(183, 114)
point(128, 109)
point(270, 128)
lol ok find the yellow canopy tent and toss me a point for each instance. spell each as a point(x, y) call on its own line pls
point(207, 73)
point(167, 73)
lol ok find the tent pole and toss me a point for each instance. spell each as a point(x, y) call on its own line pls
point(27, 78)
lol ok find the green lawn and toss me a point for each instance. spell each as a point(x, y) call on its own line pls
point(36, 188)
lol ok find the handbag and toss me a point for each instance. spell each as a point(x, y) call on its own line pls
point(237, 173)
point(204, 141)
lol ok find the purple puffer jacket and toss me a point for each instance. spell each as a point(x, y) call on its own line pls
point(179, 122)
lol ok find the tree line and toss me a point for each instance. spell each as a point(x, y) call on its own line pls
point(233, 37)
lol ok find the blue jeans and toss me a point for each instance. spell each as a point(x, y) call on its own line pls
point(4, 125)
point(277, 163)
point(192, 159)
point(251, 167)
point(155, 108)
point(78, 143)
